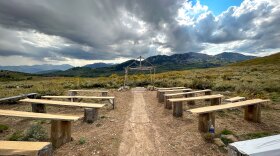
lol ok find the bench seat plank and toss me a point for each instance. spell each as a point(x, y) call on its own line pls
point(196, 98)
point(63, 103)
point(226, 106)
point(175, 90)
point(88, 90)
point(170, 88)
point(79, 97)
point(186, 93)
point(22, 147)
point(235, 99)
point(13, 113)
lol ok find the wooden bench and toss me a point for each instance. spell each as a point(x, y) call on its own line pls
point(90, 112)
point(177, 103)
point(60, 124)
point(162, 92)
point(18, 97)
point(75, 92)
point(235, 99)
point(207, 114)
point(25, 148)
point(185, 94)
point(75, 98)
point(171, 88)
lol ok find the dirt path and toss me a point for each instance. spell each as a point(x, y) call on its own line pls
point(139, 136)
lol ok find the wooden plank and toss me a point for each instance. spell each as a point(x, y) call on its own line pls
point(235, 99)
point(63, 103)
point(78, 97)
point(14, 98)
point(196, 98)
point(170, 88)
point(25, 148)
point(186, 93)
point(226, 106)
point(175, 90)
point(32, 115)
point(88, 90)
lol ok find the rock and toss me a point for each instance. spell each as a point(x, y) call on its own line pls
point(230, 137)
point(218, 142)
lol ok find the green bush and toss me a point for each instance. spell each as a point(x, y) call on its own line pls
point(202, 83)
point(226, 132)
point(16, 136)
point(3, 128)
point(82, 141)
point(36, 133)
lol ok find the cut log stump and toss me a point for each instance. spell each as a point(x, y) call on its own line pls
point(104, 93)
point(178, 109)
point(168, 104)
point(253, 113)
point(191, 102)
point(204, 121)
point(38, 108)
point(216, 101)
point(60, 132)
point(90, 115)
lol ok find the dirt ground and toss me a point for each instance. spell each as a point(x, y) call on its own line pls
point(141, 126)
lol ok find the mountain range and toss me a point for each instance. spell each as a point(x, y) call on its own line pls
point(40, 69)
point(162, 63)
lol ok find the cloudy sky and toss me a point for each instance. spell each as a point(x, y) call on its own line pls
point(86, 31)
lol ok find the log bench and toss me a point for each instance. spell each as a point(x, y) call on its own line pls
point(184, 94)
point(60, 124)
point(162, 92)
point(171, 88)
point(25, 148)
point(75, 92)
point(76, 98)
point(207, 114)
point(177, 103)
point(235, 99)
point(18, 97)
point(90, 111)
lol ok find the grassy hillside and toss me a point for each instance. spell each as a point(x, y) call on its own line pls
point(267, 60)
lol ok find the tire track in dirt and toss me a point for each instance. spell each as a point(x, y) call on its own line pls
point(139, 136)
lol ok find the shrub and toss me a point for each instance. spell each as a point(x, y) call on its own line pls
point(208, 137)
point(82, 141)
point(202, 83)
point(226, 141)
point(226, 132)
point(16, 136)
point(3, 128)
point(36, 133)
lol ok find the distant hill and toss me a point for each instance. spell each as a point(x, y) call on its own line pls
point(14, 76)
point(273, 59)
point(36, 68)
point(98, 65)
point(163, 63)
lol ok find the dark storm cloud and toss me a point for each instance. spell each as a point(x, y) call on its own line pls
point(108, 29)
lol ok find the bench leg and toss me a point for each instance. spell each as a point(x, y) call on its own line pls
point(46, 151)
point(168, 105)
point(104, 94)
point(157, 94)
point(204, 121)
point(216, 101)
point(90, 115)
point(191, 102)
point(72, 93)
point(208, 93)
point(60, 132)
point(253, 113)
point(178, 109)
point(113, 102)
point(38, 108)
point(161, 97)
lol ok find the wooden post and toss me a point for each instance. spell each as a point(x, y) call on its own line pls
point(204, 121)
point(90, 115)
point(157, 93)
point(60, 132)
point(161, 97)
point(253, 113)
point(104, 93)
point(73, 93)
point(191, 102)
point(168, 105)
point(208, 93)
point(216, 101)
point(46, 151)
point(38, 108)
point(178, 109)
point(113, 102)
